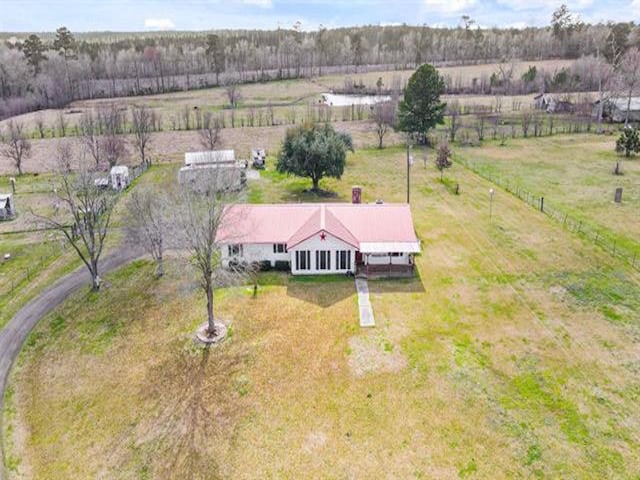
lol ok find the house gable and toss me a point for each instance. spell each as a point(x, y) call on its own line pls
point(322, 222)
point(322, 240)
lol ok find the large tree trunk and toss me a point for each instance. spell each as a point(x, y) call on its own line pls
point(316, 182)
point(211, 328)
point(159, 267)
point(95, 277)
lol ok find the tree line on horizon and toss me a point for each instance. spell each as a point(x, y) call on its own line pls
point(49, 71)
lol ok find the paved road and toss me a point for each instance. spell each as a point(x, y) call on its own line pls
point(16, 331)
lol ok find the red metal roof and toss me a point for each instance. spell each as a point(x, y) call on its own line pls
point(294, 223)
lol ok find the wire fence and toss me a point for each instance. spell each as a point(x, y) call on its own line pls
point(13, 278)
point(599, 236)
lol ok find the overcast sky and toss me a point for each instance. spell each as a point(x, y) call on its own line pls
point(138, 15)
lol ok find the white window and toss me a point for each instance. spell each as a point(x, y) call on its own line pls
point(323, 260)
point(343, 260)
point(303, 260)
point(235, 250)
point(279, 248)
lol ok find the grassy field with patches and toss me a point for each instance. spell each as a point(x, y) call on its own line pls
point(575, 175)
point(38, 257)
point(35, 258)
point(513, 353)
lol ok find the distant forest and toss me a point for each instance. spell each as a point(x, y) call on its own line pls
point(50, 70)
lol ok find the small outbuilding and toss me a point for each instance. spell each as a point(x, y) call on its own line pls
point(258, 157)
point(210, 157)
point(202, 167)
point(552, 104)
point(120, 177)
point(542, 101)
point(7, 206)
point(615, 109)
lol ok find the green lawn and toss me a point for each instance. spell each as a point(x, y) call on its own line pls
point(37, 259)
point(574, 174)
point(512, 354)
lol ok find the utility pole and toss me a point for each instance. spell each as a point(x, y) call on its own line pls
point(409, 162)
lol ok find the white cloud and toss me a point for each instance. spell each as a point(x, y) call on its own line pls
point(159, 24)
point(544, 4)
point(259, 3)
point(635, 6)
point(449, 6)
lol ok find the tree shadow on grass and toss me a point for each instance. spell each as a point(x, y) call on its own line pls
point(324, 291)
point(191, 407)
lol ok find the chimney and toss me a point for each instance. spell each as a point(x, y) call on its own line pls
point(356, 194)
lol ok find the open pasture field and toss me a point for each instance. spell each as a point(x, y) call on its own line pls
point(170, 146)
point(458, 75)
point(513, 353)
point(575, 175)
point(287, 98)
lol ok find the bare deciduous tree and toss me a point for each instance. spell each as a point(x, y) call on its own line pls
point(114, 148)
point(39, 121)
point(147, 223)
point(113, 143)
point(142, 126)
point(62, 124)
point(526, 118)
point(90, 132)
point(630, 77)
point(85, 213)
point(198, 217)
point(384, 116)
point(453, 111)
point(443, 159)
point(210, 132)
point(15, 145)
point(232, 89)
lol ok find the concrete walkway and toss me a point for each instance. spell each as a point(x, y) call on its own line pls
point(14, 334)
point(366, 312)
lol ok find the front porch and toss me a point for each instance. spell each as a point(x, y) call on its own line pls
point(385, 271)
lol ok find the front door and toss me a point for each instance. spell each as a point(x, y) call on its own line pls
point(358, 258)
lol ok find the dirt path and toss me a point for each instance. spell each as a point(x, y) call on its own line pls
point(17, 330)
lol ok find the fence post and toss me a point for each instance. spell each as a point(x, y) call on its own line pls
point(542, 204)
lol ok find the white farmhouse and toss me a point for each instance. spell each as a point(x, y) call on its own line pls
point(376, 239)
